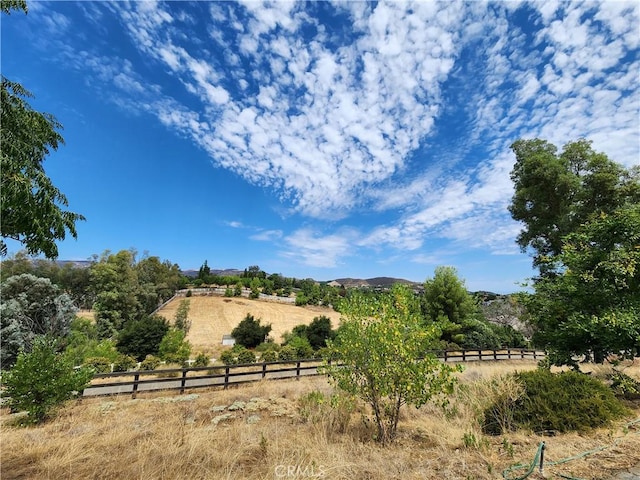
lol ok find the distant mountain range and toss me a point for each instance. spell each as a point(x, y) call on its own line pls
point(374, 282)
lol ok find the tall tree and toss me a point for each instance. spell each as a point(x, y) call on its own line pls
point(114, 280)
point(30, 205)
point(555, 193)
point(581, 215)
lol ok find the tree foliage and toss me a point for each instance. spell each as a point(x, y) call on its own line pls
point(30, 204)
point(142, 337)
point(42, 379)
point(581, 215)
point(556, 193)
point(382, 345)
point(249, 333)
point(31, 306)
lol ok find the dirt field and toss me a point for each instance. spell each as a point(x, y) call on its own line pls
point(212, 317)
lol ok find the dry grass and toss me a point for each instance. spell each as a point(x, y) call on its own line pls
point(213, 316)
point(176, 437)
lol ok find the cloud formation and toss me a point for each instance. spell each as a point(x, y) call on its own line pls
point(400, 107)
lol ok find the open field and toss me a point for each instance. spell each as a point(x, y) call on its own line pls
point(209, 435)
point(213, 316)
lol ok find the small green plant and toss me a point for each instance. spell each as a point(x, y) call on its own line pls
point(507, 447)
point(625, 386)
point(42, 379)
point(246, 356)
point(469, 440)
point(332, 413)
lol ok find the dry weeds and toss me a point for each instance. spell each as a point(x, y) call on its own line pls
point(168, 436)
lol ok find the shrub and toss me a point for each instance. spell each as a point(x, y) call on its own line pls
point(173, 347)
point(189, 293)
point(124, 363)
point(237, 355)
point(287, 353)
point(42, 379)
point(246, 356)
point(150, 362)
point(228, 357)
point(269, 356)
point(301, 346)
point(99, 364)
point(201, 360)
point(562, 402)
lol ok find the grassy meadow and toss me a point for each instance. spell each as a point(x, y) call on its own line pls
point(267, 431)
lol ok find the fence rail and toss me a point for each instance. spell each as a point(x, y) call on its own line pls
point(224, 376)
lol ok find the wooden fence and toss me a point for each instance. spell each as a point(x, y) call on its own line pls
point(224, 376)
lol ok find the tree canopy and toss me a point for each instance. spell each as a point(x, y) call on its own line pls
point(581, 215)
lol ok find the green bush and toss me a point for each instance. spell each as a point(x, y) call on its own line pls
point(201, 360)
point(124, 363)
point(42, 379)
point(229, 357)
point(150, 362)
point(99, 364)
point(173, 347)
point(287, 353)
point(562, 402)
point(269, 356)
point(246, 356)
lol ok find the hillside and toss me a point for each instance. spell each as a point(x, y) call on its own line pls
point(213, 316)
point(384, 282)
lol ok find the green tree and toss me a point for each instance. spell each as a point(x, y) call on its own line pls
point(581, 218)
point(319, 331)
point(142, 337)
point(30, 205)
point(173, 347)
point(556, 193)
point(42, 379)
point(382, 344)
point(31, 306)
point(592, 306)
point(249, 333)
point(114, 281)
point(446, 299)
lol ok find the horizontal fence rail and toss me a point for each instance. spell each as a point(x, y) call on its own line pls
point(224, 376)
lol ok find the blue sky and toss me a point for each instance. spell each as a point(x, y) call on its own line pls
point(317, 139)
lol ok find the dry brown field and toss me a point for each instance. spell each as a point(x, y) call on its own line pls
point(209, 435)
point(214, 316)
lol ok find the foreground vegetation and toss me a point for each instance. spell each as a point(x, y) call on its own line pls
point(260, 431)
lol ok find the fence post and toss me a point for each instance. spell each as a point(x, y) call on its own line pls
point(534, 354)
point(226, 377)
point(495, 355)
point(509, 353)
point(183, 381)
point(136, 377)
point(479, 355)
point(264, 369)
point(522, 353)
point(445, 356)
point(298, 370)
